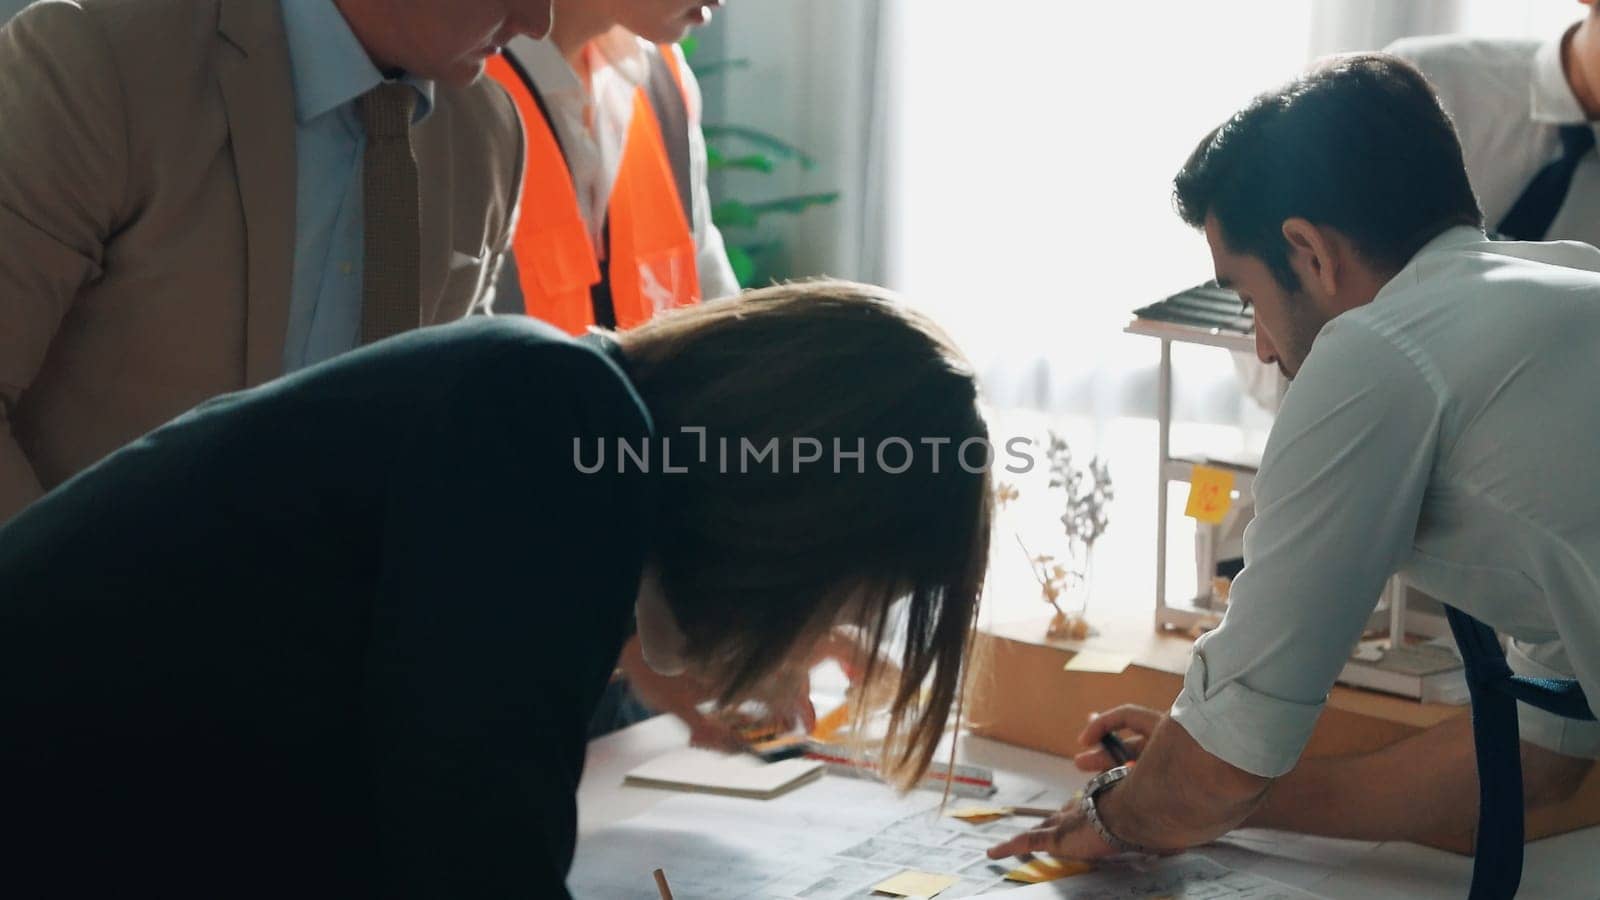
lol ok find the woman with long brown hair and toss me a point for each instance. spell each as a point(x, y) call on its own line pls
point(350, 626)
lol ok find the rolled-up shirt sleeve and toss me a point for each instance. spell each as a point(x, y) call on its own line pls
point(1337, 502)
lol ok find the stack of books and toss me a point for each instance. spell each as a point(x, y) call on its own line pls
point(1430, 672)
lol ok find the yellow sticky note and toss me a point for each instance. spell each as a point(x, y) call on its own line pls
point(915, 884)
point(1210, 495)
point(1098, 661)
point(1044, 869)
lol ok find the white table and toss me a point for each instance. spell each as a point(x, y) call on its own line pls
point(1558, 868)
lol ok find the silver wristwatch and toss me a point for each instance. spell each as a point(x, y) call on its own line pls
point(1097, 786)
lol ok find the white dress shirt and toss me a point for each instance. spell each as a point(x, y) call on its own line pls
point(1448, 430)
point(592, 124)
point(1509, 99)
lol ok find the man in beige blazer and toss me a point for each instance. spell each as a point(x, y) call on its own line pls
point(148, 183)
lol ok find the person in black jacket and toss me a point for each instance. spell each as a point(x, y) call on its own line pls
point(341, 634)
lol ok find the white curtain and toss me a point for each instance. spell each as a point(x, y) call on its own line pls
point(1037, 142)
point(1340, 26)
point(1033, 155)
point(817, 77)
point(1008, 164)
point(1343, 25)
point(1538, 19)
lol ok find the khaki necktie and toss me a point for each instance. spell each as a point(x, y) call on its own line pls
point(391, 290)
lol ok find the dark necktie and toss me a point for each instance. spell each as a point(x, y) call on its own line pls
point(391, 288)
point(1497, 858)
point(1530, 217)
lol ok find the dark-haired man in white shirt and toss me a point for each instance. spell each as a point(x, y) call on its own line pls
point(1441, 424)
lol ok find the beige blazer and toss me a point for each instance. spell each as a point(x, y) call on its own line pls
point(147, 193)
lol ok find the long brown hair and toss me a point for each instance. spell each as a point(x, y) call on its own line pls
point(754, 563)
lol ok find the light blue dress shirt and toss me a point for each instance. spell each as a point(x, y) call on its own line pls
point(1447, 430)
point(331, 72)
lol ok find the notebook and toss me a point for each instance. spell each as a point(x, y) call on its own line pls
point(734, 775)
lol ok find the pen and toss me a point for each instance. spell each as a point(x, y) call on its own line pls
point(1115, 748)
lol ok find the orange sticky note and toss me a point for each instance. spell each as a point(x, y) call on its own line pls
point(1043, 869)
point(1210, 495)
point(828, 725)
point(915, 884)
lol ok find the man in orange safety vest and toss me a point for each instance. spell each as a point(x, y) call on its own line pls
point(615, 223)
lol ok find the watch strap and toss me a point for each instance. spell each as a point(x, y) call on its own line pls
point(1091, 812)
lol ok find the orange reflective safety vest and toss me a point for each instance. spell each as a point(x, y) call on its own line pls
point(650, 258)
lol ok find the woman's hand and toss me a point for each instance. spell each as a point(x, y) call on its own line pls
point(1137, 719)
point(787, 697)
point(847, 647)
point(788, 700)
point(680, 695)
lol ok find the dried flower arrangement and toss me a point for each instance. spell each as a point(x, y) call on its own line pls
point(1088, 494)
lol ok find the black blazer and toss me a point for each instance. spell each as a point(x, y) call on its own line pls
point(339, 635)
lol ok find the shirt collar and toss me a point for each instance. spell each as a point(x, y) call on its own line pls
point(626, 52)
point(618, 48)
point(1553, 102)
point(1455, 237)
point(329, 65)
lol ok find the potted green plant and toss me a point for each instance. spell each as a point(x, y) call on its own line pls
point(754, 250)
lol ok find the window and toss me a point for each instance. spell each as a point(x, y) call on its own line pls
point(1034, 145)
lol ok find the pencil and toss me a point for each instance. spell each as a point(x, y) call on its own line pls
point(1038, 811)
point(661, 885)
